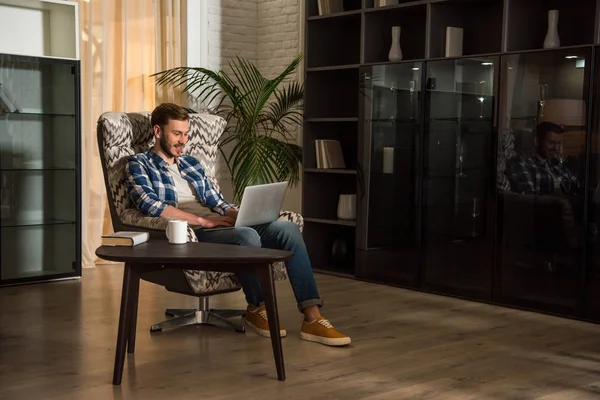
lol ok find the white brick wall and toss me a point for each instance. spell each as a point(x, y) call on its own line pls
point(232, 30)
point(277, 34)
point(264, 31)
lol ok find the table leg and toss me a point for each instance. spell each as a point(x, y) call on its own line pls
point(124, 329)
point(134, 295)
point(266, 279)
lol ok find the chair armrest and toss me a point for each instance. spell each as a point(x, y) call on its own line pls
point(288, 216)
point(134, 219)
point(292, 216)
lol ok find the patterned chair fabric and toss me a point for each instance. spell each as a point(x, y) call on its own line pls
point(124, 134)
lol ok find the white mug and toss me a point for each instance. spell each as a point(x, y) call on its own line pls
point(177, 232)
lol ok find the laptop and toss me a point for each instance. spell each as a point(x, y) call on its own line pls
point(261, 204)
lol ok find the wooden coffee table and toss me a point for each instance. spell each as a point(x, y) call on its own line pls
point(160, 254)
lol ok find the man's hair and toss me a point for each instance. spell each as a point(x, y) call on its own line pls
point(167, 111)
point(546, 127)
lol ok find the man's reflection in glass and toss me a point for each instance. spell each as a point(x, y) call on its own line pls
point(544, 173)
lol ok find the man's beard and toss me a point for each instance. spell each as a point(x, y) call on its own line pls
point(165, 147)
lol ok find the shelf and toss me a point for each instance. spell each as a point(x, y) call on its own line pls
point(392, 120)
point(527, 23)
point(326, 189)
point(371, 9)
point(343, 119)
point(344, 131)
point(331, 171)
point(324, 37)
point(335, 271)
point(474, 18)
point(16, 224)
point(460, 120)
point(39, 28)
point(333, 68)
point(378, 33)
point(38, 198)
point(338, 94)
point(331, 247)
point(33, 114)
point(332, 221)
point(39, 251)
point(335, 15)
point(35, 169)
point(349, 7)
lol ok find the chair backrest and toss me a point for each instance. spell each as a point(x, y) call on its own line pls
point(121, 135)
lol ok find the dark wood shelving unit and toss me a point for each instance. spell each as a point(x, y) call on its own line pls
point(342, 49)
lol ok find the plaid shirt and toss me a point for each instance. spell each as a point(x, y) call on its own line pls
point(535, 176)
point(151, 188)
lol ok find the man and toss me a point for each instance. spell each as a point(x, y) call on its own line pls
point(543, 174)
point(164, 182)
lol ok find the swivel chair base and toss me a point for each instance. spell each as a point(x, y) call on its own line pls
point(202, 315)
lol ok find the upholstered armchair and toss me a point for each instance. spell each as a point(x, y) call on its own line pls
point(121, 135)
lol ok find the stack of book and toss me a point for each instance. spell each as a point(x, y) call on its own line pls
point(329, 154)
point(125, 238)
point(327, 7)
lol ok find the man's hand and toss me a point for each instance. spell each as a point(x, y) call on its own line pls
point(216, 221)
point(233, 213)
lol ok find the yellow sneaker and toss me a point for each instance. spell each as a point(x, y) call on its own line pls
point(258, 322)
point(321, 331)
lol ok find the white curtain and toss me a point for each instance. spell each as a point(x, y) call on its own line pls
point(122, 43)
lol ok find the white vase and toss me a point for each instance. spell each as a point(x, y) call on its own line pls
point(552, 40)
point(395, 53)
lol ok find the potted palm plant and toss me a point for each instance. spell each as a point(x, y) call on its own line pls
point(261, 114)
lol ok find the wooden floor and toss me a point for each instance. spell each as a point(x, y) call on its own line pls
point(57, 341)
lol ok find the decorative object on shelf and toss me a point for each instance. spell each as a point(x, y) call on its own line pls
point(552, 40)
point(339, 252)
point(347, 206)
point(542, 97)
point(482, 93)
point(476, 214)
point(329, 154)
point(461, 159)
point(327, 7)
point(431, 83)
point(7, 102)
point(454, 41)
point(388, 160)
point(395, 53)
point(255, 124)
point(383, 3)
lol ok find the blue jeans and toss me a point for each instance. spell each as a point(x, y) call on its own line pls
point(279, 235)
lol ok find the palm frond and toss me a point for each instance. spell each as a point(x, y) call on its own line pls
point(258, 112)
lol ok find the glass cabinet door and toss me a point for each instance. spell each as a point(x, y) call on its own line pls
point(387, 223)
point(540, 177)
point(39, 157)
point(592, 270)
point(457, 176)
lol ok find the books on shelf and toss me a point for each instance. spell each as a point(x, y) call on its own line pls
point(7, 103)
point(330, 6)
point(125, 238)
point(329, 154)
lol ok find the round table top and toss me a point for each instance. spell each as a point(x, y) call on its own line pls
point(158, 251)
